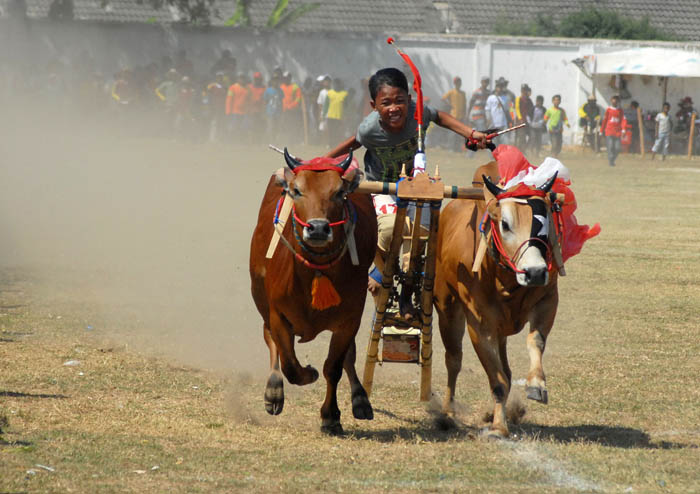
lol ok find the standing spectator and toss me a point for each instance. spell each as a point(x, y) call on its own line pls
point(523, 115)
point(335, 105)
point(237, 101)
point(589, 121)
point(457, 99)
point(611, 127)
point(632, 118)
point(508, 99)
point(167, 90)
point(556, 118)
point(538, 125)
point(214, 98)
point(184, 116)
point(321, 107)
point(477, 104)
point(497, 114)
point(291, 106)
point(273, 97)
point(663, 132)
point(256, 104)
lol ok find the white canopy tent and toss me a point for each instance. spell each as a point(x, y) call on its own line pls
point(682, 66)
point(647, 62)
point(662, 62)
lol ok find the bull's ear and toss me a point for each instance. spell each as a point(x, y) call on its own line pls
point(352, 179)
point(283, 177)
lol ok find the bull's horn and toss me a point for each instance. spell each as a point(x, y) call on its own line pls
point(346, 162)
point(549, 183)
point(493, 188)
point(291, 162)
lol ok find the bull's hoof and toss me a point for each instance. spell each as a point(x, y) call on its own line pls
point(274, 394)
point(537, 394)
point(445, 422)
point(490, 434)
point(310, 375)
point(361, 407)
point(332, 427)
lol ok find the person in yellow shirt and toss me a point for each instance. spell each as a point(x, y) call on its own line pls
point(457, 99)
point(335, 107)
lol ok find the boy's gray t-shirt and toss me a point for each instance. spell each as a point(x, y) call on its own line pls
point(385, 152)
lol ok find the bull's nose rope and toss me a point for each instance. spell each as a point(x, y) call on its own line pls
point(498, 244)
point(349, 227)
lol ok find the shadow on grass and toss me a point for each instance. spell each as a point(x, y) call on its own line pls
point(15, 394)
point(435, 429)
point(10, 444)
point(616, 437)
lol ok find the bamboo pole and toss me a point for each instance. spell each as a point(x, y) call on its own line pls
point(387, 284)
point(426, 355)
point(450, 191)
point(640, 122)
point(691, 134)
point(415, 250)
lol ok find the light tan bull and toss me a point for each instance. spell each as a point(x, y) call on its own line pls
point(499, 299)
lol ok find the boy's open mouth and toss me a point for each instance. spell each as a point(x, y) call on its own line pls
point(395, 118)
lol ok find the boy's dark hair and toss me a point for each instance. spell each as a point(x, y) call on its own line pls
point(666, 103)
point(539, 98)
point(634, 104)
point(556, 96)
point(387, 77)
point(615, 96)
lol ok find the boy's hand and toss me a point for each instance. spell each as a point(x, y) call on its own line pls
point(480, 139)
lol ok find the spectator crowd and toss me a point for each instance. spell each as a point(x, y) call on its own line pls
point(231, 105)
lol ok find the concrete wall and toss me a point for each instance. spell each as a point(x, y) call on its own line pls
point(542, 63)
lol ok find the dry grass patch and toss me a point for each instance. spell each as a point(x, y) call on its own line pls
point(167, 395)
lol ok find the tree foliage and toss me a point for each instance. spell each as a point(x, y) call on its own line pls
point(280, 17)
point(586, 23)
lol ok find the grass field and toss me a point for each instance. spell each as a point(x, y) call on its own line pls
point(147, 290)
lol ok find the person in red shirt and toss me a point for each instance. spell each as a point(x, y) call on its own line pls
point(237, 101)
point(256, 103)
point(611, 127)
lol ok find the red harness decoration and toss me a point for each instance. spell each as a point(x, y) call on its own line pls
point(335, 223)
point(521, 191)
point(323, 293)
point(322, 164)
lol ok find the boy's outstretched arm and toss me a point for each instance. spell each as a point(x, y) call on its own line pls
point(449, 122)
point(343, 148)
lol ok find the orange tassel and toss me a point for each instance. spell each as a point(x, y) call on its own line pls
point(323, 293)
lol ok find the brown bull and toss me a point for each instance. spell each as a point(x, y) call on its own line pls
point(324, 210)
point(514, 286)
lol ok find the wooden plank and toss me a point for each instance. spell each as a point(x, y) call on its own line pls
point(283, 217)
point(640, 122)
point(382, 299)
point(691, 134)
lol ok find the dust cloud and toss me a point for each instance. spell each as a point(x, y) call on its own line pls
point(147, 235)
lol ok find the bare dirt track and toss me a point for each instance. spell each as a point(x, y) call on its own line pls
point(129, 254)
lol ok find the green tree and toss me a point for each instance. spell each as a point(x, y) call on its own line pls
point(280, 17)
point(586, 23)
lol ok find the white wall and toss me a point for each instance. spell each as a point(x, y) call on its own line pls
point(541, 62)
